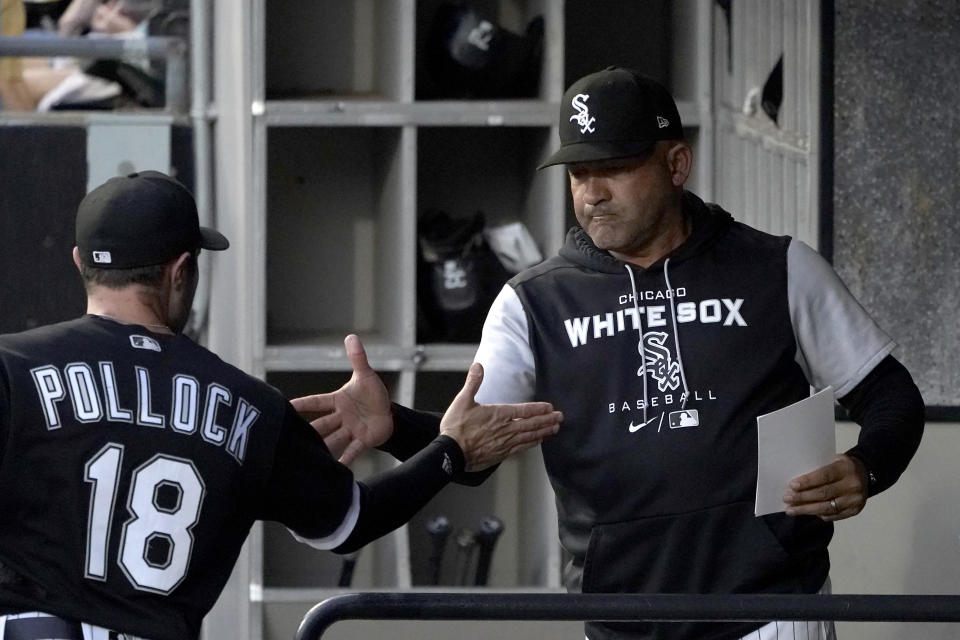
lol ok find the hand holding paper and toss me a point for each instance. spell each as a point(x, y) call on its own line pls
point(798, 470)
point(795, 440)
point(835, 491)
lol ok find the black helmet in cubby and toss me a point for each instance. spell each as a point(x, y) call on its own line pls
point(470, 56)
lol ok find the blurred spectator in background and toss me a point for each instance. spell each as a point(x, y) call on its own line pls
point(46, 84)
point(42, 15)
point(12, 23)
point(112, 16)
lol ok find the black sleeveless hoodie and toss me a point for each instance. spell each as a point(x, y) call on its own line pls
point(655, 468)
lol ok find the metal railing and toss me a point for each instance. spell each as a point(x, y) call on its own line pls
point(172, 49)
point(626, 608)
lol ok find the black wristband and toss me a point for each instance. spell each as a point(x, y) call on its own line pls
point(454, 461)
point(872, 482)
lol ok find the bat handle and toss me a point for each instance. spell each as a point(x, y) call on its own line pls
point(346, 569)
point(487, 535)
point(438, 528)
point(466, 543)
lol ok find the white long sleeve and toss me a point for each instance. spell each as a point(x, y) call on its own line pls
point(504, 352)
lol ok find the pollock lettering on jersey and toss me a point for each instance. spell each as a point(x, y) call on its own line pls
point(96, 397)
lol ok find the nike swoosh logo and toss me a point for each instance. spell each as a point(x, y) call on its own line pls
point(636, 427)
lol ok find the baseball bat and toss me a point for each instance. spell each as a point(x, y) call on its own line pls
point(438, 528)
point(487, 535)
point(346, 568)
point(466, 543)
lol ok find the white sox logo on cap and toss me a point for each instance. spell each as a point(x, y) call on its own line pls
point(633, 111)
point(582, 116)
point(481, 35)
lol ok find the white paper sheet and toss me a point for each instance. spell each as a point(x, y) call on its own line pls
point(791, 442)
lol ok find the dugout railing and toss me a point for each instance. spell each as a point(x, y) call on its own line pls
point(625, 608)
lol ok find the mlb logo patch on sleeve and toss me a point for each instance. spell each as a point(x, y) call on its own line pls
point(144, 342)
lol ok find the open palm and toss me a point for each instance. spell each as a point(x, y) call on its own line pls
point(356, 416)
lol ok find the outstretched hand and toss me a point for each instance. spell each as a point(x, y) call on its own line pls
point(489, 433)
point(835, 491)
point(355, 417)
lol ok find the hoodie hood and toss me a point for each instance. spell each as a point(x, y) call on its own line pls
point(708, 223)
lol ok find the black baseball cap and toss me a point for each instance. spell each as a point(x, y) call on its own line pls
point(138, 220)
point(614, 113)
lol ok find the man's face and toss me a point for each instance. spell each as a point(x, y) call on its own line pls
point(624, 204)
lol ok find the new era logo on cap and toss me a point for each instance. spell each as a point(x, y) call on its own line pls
point(102, 257)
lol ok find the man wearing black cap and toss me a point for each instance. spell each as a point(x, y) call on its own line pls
point(662, 330)
point(133, 461)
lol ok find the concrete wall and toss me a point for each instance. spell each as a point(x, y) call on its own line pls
point(896, 231)
point(896, 165)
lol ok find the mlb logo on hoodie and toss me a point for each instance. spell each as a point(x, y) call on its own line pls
point(685, 418)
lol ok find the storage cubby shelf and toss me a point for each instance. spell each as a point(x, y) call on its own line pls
point(350, 147)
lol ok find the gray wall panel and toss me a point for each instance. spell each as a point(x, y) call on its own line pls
point(896, 198)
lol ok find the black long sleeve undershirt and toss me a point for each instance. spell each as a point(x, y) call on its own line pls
point(412, 430)
point(886, 404)
point(890, 411)
point(391, 498)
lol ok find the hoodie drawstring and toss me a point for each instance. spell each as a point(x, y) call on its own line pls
point(676, 334)
point(643, 353)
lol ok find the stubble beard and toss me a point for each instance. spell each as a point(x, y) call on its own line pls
point(616, 239)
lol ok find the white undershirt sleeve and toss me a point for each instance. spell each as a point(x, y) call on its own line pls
point(341, 533)
point(504, 352)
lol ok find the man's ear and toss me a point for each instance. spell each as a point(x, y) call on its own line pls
point(76, 258)
point(180, 270)
point(680, 161)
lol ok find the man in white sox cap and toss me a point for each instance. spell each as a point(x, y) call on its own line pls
point(662, 329)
